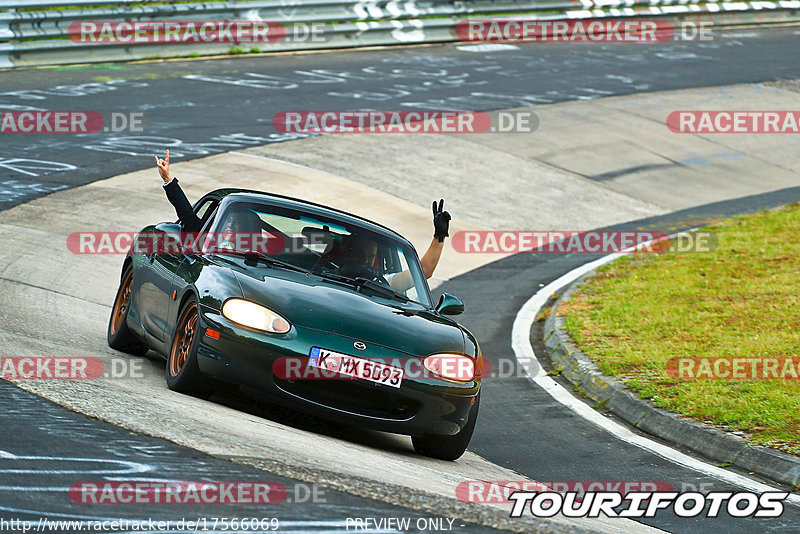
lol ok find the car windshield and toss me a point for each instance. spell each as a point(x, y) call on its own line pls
point(337, 250)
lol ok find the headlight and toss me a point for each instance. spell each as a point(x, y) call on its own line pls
point(253, 315)
point(451, 366)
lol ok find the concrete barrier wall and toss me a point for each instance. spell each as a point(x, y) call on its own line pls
point(41, 32)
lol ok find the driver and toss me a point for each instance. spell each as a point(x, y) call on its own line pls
point(361, 253)
point(359, 259)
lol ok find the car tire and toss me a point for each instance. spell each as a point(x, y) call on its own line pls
point(448, 447)
point(183, 374)
point(118, 335)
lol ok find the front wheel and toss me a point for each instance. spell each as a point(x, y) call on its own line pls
point(448, 447)
point(119, 336)
point(183, 374)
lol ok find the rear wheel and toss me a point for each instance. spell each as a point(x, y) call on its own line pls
point(448, 447)
point(119, 336)
point(183, 374)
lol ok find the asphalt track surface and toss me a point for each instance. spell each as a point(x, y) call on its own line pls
point(71, 448)
point(228, 104)
point(524, 428)
point(199, 108)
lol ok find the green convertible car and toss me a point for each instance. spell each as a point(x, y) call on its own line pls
point(320, 310)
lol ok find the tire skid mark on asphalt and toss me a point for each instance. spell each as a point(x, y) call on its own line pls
point(36, 418)
point(132, 467)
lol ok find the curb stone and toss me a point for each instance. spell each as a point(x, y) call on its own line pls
point(720, 446)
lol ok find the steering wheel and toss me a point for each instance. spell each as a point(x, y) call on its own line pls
point(371, 273)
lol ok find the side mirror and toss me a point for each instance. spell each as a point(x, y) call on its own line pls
point(449, 305)
point(169, 228)
point(166, 240)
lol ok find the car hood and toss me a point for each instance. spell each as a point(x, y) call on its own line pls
point(311, 302)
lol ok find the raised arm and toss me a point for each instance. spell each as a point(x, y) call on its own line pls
point(431, 257)
point(441, 225)
point(176, 197)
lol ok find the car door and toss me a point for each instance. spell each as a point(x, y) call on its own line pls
point(188, 264)
point(160, 279)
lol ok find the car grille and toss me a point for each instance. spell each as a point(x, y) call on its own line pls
point(346, 395)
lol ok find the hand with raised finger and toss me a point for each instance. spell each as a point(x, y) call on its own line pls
point(441, 221)
point(163, 167)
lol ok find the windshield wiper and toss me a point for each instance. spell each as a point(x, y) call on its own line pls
point(361, 282)
point(380, 288)
point(269, 260)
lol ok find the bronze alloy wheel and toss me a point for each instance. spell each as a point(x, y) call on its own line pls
point(182, 343)
point(122, 301)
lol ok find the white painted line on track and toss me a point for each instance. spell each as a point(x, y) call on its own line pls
point(523, 351)
point(490, 47)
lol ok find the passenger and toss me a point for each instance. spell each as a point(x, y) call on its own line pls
point(238, 221)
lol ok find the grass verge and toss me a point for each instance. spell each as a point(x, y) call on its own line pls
point(739, 301)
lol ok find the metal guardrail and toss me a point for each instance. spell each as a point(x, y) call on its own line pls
point(35, 32)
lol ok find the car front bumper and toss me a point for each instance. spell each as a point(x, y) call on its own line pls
point(421, 405)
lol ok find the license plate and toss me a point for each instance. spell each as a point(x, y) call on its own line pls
point(355, 367)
